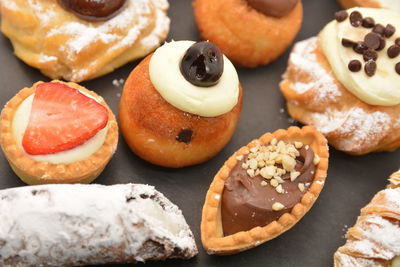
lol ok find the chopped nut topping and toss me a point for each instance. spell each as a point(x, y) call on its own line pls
point(277, 206)
point(250, 172)
point(288, 163)
point(274, 182)
point(294, 175)
point(264, 183)
point(298, 144)
point(316, 159)
point(239, 157)
point(279, 189)
point(301, 187)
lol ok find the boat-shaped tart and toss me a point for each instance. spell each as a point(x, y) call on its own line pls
point(57, 132)
point(264, 189)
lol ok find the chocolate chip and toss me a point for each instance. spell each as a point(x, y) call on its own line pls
point(372, 40)
point(355, 18)
point(354, 65)
point(360, 47)
point(379, 29)
point(397, 68)
point(389, 30)
point(368, 22)
point(370, 68)
point(397, 41)
point(370, 54)
point(341, 15)
point(382, 44)
point(393, 51)
point(348, 42)
point(185, 136)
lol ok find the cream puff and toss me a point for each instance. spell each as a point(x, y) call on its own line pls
point(249, 32)
point(57, 132)
point(345, 81)
point(64, 38)
point(180, 105)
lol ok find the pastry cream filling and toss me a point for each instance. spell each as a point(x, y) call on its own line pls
point(384, 87)
point(396, 262)
point(167, 79)
point(20, 122)
point(390, 4)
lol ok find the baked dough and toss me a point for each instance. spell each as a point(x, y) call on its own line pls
point(48, 37)
point(315, 97)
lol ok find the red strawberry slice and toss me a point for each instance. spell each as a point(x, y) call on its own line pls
point(61, 118)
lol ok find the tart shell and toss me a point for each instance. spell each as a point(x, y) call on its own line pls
point(34, 172)
point(211, 225)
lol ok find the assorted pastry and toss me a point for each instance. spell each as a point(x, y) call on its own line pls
point(264, 189)
point(389, 4)
point(375, 238)
point(345, 81)
point(64, 38)
point(249, 32)
point(180, 105)
point(44, 226)
point(57, 132)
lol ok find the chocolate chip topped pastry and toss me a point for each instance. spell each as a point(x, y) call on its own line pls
point(264, 189)
point(388, 4)
point(77, 40)
point(345, 81)
point(375, 238)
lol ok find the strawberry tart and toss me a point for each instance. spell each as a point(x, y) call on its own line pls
point(57, 132)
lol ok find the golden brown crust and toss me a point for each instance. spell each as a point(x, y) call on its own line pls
point(35, 172)
point(346, 4)
point(348, 123)
point(150, 125)
point(257, 40)
point(211, 226)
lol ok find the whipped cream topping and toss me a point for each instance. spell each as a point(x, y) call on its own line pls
point(383, 87)
point(389, 4)
point(81, 152)
point(167, 79)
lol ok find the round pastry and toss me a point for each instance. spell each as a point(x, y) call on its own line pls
point(345, 81)
point(389, 4)
point(264, 189)
point(57, 132)
point(249, 32)
point(64, 38)
point(180, 106)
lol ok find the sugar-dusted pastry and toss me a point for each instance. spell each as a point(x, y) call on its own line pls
point(389, 4)
point(45, 226)
point(375, 238)
point(264, 189)
point(79, 40)
point(249, 32)
point(180, 106)
point(57, 132)
point(345, 81)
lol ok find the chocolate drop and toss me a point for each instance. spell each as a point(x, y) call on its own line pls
point(272, 7)
point(372, 40)
point(93, 10)
point(348, 42)
point(389, 30)
point(393, 51)
point(370, 54)
point(397, 68)
point(368, 22)
point(354, 65)
point(355, 19)
point(370, 68)
point(341, 15)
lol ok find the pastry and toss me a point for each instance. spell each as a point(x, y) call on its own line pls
point(57, 132)
point(44, 226)
point(180, 106)
point(345, 81)
point(264, 189)
point(249, 32)
point(375, 238)
point(64, 38)
point(389, 4)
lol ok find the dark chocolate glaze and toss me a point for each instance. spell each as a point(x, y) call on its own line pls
point(246, 204)
point(274, 8)
point(94, 10)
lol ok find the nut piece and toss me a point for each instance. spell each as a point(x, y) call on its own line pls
point(294, 175)
point(288, 163)
point(301, 187)
point(277, 206)
point(316, 159)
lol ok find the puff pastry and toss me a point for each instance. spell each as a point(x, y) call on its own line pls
point(45, 226)
point(61, 45)
point(375, 238)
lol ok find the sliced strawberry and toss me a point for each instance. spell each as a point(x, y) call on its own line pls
point(61, 118)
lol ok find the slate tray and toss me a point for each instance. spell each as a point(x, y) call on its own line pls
point(351, 182)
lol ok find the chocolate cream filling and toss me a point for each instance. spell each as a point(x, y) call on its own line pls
point(274, 8)
point(91, 10)
point(247, 204)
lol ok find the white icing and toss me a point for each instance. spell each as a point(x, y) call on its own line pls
point(390, 4)
point(380, 89)
point(44, 225)
point(210, 101)
point(81, 152)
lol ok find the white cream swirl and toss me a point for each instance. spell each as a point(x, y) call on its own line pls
point(384, 87)
point(20, 122)
point(166, 77)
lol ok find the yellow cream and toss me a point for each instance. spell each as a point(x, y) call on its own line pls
point(20, 122)
point(166, 77)
point(390, 4)
point(384, 87)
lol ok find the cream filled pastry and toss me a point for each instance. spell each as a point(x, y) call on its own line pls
point(345, 81)
point(64, 38)
point(57, 133)
point(181, 105)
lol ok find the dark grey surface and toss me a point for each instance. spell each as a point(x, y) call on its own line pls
point(351, 182)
